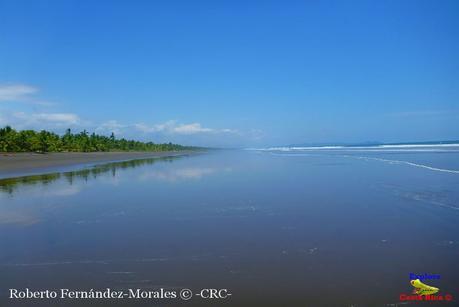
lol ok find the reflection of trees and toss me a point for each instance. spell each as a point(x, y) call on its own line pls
point(9, 185)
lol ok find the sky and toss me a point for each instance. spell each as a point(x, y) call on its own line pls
point(233, 73)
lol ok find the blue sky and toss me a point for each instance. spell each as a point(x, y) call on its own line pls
point(233, 73)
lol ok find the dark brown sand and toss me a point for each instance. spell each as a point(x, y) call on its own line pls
point(22, 164)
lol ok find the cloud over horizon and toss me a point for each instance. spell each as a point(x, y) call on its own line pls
point(34, 119)
point(16, 92)
point(24, 120)
point(22, 110)
point(173, 127)
point(21, 93)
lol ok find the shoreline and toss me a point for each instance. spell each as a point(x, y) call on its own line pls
point(24, 164)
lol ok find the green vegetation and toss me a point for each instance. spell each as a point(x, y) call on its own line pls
point(46, 141)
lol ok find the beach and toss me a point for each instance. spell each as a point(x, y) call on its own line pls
point(266, 225)
point(22, 164)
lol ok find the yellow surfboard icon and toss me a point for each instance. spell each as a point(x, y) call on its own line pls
point(423, 289)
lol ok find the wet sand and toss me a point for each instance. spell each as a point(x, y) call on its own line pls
point(22, 164)
point(315, 230)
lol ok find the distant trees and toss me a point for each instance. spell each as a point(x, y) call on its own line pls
point(46, 141)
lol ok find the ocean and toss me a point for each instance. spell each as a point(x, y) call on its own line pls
point(288, 226)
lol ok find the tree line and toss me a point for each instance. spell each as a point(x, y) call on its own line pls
point(46, 141)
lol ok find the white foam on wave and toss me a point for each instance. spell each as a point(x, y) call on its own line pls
point(286, 148)
point(407, 163)
point(381, 160)
point(399, 147)
point(418, 145)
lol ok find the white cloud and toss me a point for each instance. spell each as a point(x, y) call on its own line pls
point(61, 118)
point(148, 129)
point(169, 127)
point(24, 116)
point(22, 93)
point(191, 129)
point(172, 127)
point(34, 119)
point(228, 130)
point(111, 126)
point(23, 120)
point(16, 92)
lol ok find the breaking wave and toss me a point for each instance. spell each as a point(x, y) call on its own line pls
point(397, 147)
point(408, 163)
point(340, 150)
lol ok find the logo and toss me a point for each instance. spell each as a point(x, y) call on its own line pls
point(423, 291)
point(421, 288)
